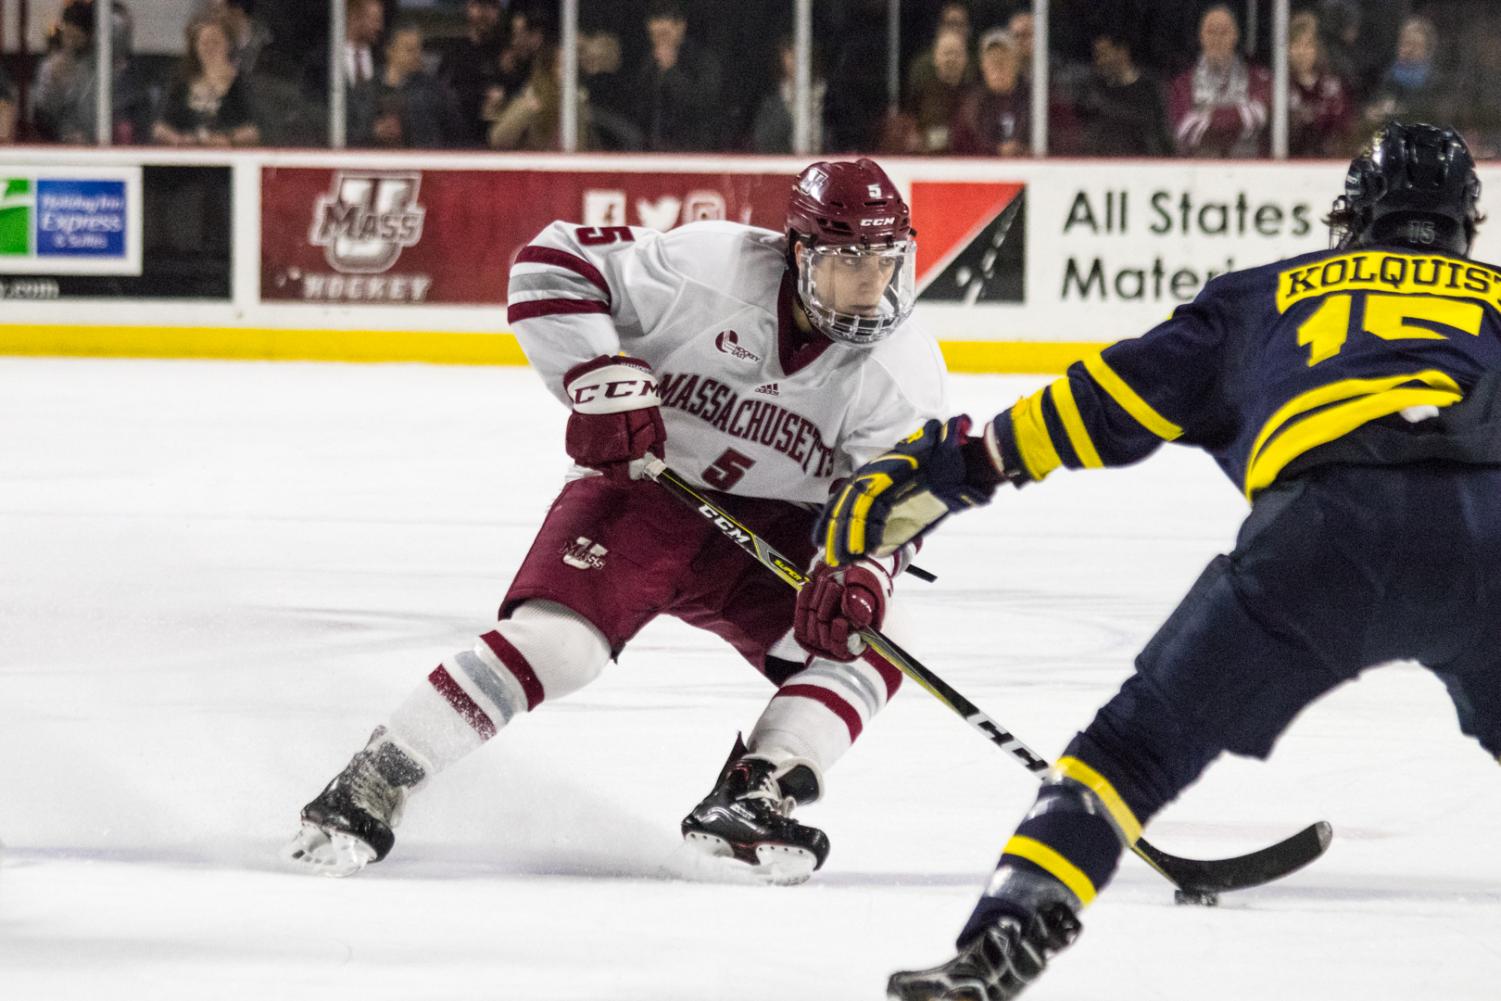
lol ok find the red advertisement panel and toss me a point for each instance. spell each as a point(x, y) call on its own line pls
point(448, 236)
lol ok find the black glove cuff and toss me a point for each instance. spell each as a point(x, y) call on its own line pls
point(979, 471)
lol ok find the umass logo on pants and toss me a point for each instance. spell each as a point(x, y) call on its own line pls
point(584, 554)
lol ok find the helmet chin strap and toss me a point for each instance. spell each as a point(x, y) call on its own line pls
point(801, 318)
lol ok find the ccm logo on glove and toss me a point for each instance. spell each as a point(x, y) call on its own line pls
point(611, 386)
point(616, 418)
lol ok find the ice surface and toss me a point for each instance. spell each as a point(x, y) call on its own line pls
point(215, 578)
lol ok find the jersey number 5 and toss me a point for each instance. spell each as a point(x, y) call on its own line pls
point(596, 236)
point(1390, 317)
point(727, 470)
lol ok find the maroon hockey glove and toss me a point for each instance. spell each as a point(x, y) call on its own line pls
point(616, 417)
point(835, 604)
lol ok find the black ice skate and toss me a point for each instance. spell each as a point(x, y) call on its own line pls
point(349, 824)
point(995, 966)
point(746, 817)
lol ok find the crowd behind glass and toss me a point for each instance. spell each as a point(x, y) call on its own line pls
point(1124, 77)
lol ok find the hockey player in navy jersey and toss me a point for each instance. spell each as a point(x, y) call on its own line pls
point(763, 367)
point(1352, 396)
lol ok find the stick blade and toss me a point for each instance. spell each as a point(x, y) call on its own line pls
point(1256, 868)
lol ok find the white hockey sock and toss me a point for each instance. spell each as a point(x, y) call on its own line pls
point(817, 713)
point(542, 649)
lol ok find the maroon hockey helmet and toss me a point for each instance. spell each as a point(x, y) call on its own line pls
point(848, 202)
point(850, 210)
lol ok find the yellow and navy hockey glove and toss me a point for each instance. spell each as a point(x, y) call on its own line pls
point(901, 495)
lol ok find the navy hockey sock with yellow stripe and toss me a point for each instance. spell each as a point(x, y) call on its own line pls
point(1065, 851)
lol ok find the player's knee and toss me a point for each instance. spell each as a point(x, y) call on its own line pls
point(563, 650)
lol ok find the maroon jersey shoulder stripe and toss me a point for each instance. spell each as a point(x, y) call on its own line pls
point(839, 707)
point(553, 307)
point(515, 661)
point(462, 703)
point(533, 254)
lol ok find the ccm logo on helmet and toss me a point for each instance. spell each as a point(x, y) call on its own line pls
point(882, 221)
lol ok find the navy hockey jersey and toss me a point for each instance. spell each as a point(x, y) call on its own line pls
point(1273, 367)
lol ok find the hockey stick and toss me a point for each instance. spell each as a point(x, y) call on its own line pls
point(1197, 880)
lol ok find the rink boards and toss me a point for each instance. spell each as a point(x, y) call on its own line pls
point(1022, 265)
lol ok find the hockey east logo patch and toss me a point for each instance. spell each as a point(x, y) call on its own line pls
point(728, 342)
point(584, 554)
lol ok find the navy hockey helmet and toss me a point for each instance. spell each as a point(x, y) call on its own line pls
point(851, 221)
point(1412, 186)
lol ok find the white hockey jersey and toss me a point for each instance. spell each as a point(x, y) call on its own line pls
point(710, 307)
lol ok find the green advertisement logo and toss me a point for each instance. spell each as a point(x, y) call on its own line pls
point(16, 206)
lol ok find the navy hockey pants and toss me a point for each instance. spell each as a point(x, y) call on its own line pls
point(1338, 570)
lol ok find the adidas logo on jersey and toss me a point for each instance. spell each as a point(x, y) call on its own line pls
point(770, 389)
point(584, 555)
point(728, 342)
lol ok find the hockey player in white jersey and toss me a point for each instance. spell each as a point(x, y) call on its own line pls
point(762, 366)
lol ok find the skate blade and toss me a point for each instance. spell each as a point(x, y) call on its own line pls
point(775, 865)
point(922, 985)
point(328, 853)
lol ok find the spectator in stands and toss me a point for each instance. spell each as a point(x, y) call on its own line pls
point(1022, 27)
point(472, 68)
point(404, 106)
point(533, 27)
point(8, 108)
point(1120, 109)
point(365, 21)
point(1219, 107)
point(678, 86)
point(922, 70)
point(1339, 24)
point(1358, 37)
point(931, 102)
point(994, 117)
point(248, 35)
point(1413, 89)
point(771, 130)
point(1478, 101)
point(62, 95)
point(209, 102)
point(611, 125)
point(1319, 112)
point(532, 120)
point(1067, 80)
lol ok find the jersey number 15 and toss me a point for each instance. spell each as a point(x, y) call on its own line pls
point(1390, 317)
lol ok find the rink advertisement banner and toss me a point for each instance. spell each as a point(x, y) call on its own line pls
point(1067, 252)
point(447, 237)
point(1093, 253)
point(147, 232)
point(1022, 265)
point(70, 220)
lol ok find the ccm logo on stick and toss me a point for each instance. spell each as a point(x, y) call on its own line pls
point(729, 528)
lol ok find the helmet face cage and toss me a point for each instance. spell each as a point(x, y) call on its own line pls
point(860, 329)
